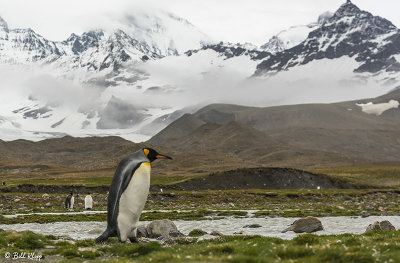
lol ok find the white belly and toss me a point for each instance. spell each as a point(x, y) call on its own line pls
point(132, 200)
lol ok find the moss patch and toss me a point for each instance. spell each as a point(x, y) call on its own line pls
point(382, 246)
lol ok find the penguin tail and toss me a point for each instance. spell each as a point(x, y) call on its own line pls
point(103, 236)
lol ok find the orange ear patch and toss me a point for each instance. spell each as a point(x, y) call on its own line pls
point(146, 152)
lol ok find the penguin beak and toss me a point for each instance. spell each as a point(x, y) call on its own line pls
point(160, 156)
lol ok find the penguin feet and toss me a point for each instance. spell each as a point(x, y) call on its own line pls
point(133, 240)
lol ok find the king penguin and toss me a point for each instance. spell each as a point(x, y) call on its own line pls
point(128, 194)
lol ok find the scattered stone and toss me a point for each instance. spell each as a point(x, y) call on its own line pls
point(253, 226)
point(45, 196)
point(167, 242)
point(17, 200)
point(22, 207)
point(48, 204)
point(374, 226)
point(241, 232)
point(144, 240)
point(384, 225)
point(216, 233)
point(308, 224)
point(364, 214)
point(96, 231)
point(49, 247)
point(163, 228)
point(176, 234)
point(88, 249)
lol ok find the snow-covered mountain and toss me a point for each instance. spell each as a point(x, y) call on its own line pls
point(66, 87)
point(134, 80)
point(142, 36)
point(293, 36)
point(23, 46)
point(166, 33)
point(230, 50)
point(371, 41)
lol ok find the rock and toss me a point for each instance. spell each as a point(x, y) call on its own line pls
point(48, 204)
point(374, 226)
point(176, 234)
point(45, 196)
point(216, 233)
point(17, 200)
point(96, 231)
point(49, 247)
point(162, 228)
point(252, 226)
point(89, 249)
point(22, 207)
point(364, 214)
point(384, 225)
point(308, 224)
point(141, 231)
point(241, 232)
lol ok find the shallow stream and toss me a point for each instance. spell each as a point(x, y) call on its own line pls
point(271, 227)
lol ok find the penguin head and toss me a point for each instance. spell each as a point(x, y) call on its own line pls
point(154, 155)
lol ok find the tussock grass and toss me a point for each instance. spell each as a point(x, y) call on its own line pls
point(377, 246)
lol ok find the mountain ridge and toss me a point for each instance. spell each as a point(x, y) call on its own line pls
point(342, 129)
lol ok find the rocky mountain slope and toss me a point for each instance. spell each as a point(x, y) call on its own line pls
point(134, 80)
point(356, 130)
point(293, 36)
point(372, 41)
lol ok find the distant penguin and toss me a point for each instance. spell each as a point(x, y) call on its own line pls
point(128, 194)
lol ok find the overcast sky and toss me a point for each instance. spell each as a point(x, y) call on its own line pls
point(227, 20)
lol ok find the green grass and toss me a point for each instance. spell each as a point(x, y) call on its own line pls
point(284, 203)
point(91, 181)
point(376, 246)
point(378, 176)
point(197, 233)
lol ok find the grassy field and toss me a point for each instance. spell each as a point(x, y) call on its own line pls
point(371, 247)
point(88, 180)
point(380, 176)
point(282, 203)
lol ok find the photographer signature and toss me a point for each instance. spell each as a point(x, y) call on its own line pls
point(23, 255)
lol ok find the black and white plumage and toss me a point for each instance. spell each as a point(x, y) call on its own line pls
point(128, 194)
